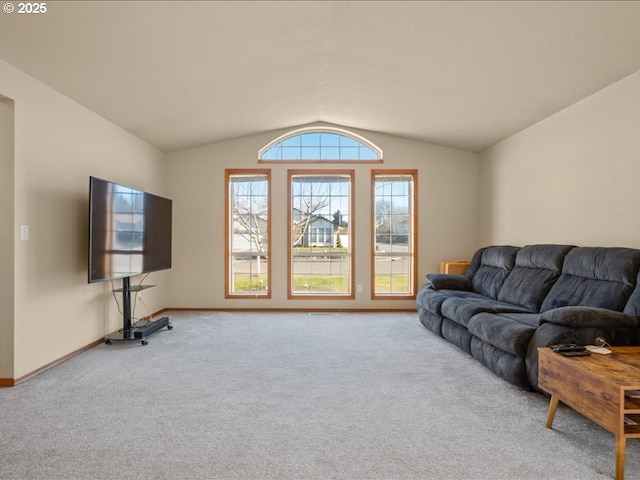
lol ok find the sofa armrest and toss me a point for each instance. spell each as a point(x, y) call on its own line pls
point(440, 281)
point(582, 317)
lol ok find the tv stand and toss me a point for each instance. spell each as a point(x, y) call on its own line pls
point(128, 331)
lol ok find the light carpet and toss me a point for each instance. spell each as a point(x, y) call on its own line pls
point(238, 395)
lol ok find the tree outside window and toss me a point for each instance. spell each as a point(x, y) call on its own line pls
point(394, 259)
point(320, 229)
point(248, 233)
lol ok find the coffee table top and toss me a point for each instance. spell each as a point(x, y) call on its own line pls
point(621, 368)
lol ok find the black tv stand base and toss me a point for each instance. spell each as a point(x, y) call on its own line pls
point(139, 333)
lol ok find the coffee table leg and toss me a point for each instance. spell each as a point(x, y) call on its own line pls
point(553, 406)
point(621, 451)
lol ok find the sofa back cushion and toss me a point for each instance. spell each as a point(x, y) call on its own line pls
point(537, 267)
point(633, 304)
point(595, 277)
point(494, 265)
point(475, 263)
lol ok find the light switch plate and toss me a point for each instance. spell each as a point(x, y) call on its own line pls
point(24, 232)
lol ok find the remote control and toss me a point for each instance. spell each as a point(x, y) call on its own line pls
point(570, 348)
point(576, 353)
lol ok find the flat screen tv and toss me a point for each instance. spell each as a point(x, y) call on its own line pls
point(129, 231)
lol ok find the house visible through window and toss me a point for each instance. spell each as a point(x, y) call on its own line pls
point(394, 233)
point(320, 232)
point(320, 222)
point(248, 233)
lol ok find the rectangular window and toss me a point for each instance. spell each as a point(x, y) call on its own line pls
point(394, 233)
point(248, 234)
point(321, 234)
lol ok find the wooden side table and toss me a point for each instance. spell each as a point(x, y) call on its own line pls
point(603, 388)
point(458, 267)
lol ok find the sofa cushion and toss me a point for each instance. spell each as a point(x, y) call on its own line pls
point(633, 304)
point(595, 277)
point(529, 319)
point(504, 333)
point(475, 262)
point(461, 309)
point(537, 267)
point(432, 300)
point(508, 366)
point(439, 281)
point(456, 334)
point(495, 265)
point(431, 321)
point(582, 317)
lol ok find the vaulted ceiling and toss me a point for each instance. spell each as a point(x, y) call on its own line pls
point(460, 74)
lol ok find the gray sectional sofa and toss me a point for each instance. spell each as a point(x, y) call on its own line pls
point(514, 299)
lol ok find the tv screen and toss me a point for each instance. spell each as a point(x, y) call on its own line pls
point(129, 231)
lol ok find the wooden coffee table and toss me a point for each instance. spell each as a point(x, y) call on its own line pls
point(603, 388)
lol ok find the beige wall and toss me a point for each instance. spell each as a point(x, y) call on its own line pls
point(447, 217)
point(572, 178)
point(6, 237)
point(58, 145)
point(49, 310)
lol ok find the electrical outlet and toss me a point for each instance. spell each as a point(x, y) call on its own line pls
point(359, 288)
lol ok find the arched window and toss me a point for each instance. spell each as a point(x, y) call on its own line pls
point(320, 144)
